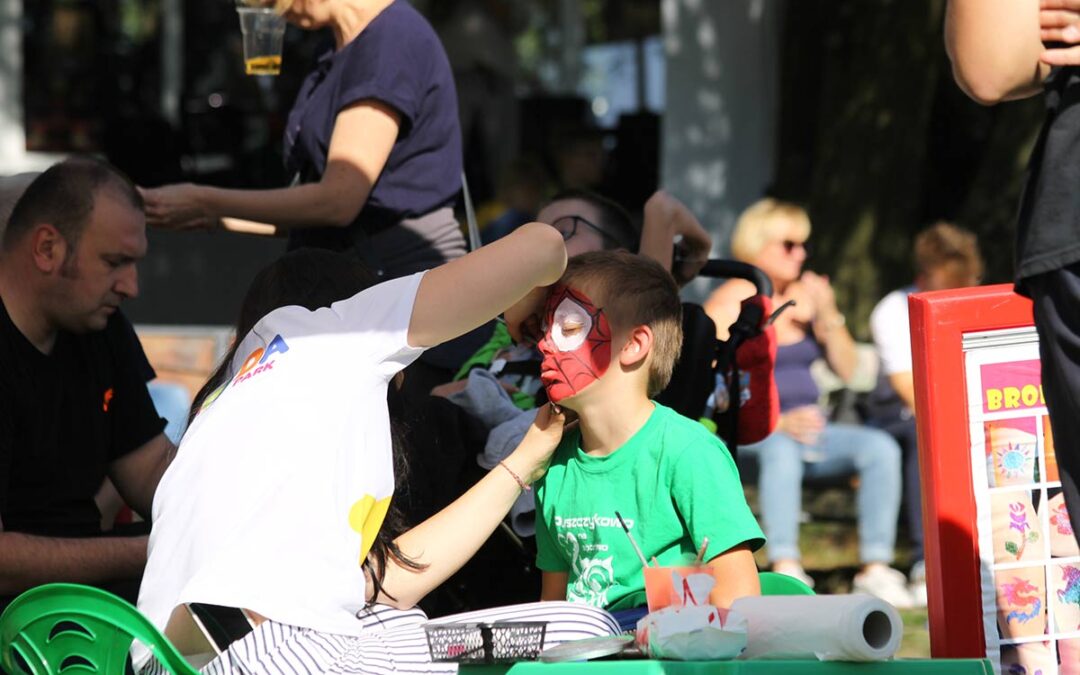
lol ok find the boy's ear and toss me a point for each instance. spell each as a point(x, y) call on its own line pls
point(637, 346)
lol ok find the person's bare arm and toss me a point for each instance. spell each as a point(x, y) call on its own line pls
point(995, 48)
point(553, 585)
point(725, 303)
point(904, 386)
point(1059, 21)
point(364, 133)
point(137, 473)
point(736, 576)
point(27, 560)
point(446, 541)
point(464, 293)
point(829, 327)
point(665, 219)
point(241, 226)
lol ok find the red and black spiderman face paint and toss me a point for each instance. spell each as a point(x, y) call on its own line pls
point(576, 344)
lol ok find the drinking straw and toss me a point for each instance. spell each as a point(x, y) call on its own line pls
point(637, 549)
point(701, 551)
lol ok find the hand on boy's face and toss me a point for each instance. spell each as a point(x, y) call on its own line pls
point(524, 320)
point(576, 345)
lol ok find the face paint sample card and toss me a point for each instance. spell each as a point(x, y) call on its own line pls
point(1029, 559)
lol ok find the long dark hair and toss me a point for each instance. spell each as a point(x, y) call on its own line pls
point(314, 278)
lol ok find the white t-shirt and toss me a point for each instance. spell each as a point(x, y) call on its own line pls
point(891, 330)
point(283, 480)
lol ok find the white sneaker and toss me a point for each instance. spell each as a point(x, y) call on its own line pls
point(796, 572)
point(917, 584)
point(886, 583)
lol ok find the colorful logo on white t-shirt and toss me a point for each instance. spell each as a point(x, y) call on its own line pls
point(366, 517)
point(260, 361)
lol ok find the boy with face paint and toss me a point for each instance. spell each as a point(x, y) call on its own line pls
point(610, 333)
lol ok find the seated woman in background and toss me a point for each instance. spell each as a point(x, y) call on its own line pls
point(278, 505)
point(772, 235)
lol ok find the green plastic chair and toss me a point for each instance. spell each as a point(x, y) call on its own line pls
point(774, 583)
point(71, 629)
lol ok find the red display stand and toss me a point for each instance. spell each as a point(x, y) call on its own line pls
point(976, 374)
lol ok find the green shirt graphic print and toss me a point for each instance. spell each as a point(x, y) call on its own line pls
point(674, 484)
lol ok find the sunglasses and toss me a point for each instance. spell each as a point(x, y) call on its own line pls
point(568, 227)
point(790, 245)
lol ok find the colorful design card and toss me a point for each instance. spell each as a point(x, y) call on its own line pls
point(1021, 600)
point(1017, 531)
point(1051, 456)
point(1069, 656)
point(1011, 449)
point(1031, 658)
point(1030, 559)
point(1060, 532)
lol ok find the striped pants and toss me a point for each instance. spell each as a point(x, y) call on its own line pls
point(394, 641)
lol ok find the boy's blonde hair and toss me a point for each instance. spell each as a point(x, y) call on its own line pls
point(634, 291)
point(764, 221)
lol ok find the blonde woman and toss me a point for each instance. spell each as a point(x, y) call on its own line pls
point(373, 143)
point(773, 236)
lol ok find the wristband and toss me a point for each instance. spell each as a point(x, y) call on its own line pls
point(517, 479)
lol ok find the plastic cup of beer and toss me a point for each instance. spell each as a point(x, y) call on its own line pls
point(264, 32)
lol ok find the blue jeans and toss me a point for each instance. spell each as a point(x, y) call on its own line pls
point(841, 450)
point(171, 402)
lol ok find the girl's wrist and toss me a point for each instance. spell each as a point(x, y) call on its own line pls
point(521, 483)
point(528, 467)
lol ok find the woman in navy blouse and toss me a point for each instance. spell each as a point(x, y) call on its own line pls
point(373, 141)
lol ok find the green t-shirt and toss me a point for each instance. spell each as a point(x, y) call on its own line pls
point(674, 484)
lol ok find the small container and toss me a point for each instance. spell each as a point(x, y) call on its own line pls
point(660, 590)
point(498, 642)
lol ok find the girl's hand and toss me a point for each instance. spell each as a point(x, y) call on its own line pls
point(177, 207)
point(535, 450)
point(524, 320)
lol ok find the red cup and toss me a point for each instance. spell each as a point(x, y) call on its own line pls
point(660, 589)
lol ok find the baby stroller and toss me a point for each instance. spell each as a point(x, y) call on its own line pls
point(709, 370)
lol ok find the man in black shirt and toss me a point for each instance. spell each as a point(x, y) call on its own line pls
point(74, 408)
point(998, 54)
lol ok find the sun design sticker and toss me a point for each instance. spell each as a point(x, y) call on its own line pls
point(1014, 459)
point(366, 517)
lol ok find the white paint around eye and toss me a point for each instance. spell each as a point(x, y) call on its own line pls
point(570, 313)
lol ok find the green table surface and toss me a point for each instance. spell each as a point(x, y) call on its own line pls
point(759, 667)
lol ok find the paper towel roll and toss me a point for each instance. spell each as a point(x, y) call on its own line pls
point(829, 627)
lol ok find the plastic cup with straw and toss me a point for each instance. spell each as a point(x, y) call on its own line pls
point(701, 551)
point(637, 549)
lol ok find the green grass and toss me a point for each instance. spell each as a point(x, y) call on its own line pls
point(830, 550)
point(916, 644)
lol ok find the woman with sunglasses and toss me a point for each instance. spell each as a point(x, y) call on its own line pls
point(372, 141)
point(772, 235)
